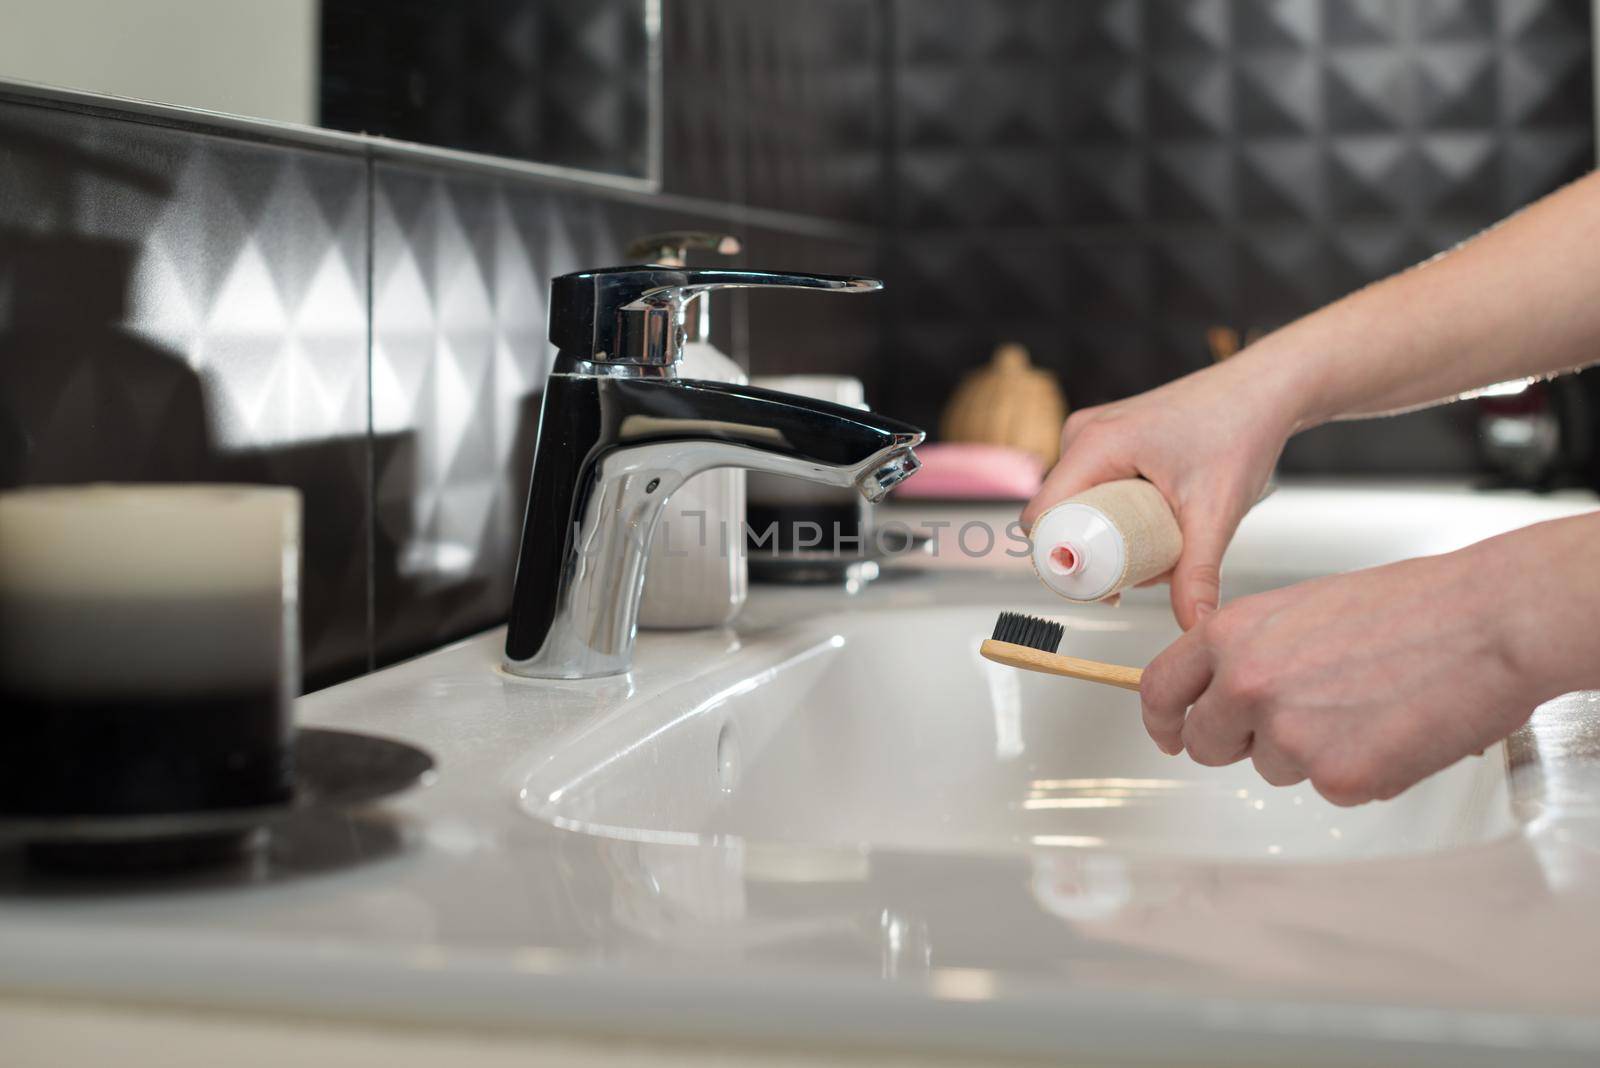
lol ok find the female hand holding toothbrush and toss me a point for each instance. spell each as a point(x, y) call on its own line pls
point(1366, 683)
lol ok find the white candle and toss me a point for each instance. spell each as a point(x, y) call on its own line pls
point(140, 590)
point(149, 647)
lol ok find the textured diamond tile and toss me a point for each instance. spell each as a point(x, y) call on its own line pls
point(1237, 163)
point(809, 333)
point(999, 188)
point(1266, 26)
point(563, 83)
point(1459, 174)
point(1456, 20)
point(1363, 22)
point(461, 269)
point(1281, 273)
point(1377, 249)
point(1112, 28)
point(187, 307)
point(1365, 177)
point(1104, 102)
point(814, 107)
point(1544, 20)
point(1189, 97)
point(1276, 94)
point(978, 115)
point(1108, 280)
point(704, 139)
point(1103, 185)
point(1115, 359)
point(1279, 180)
point(1366, 91)
point(774, 105)
point(1192, 182)
point(1543, 79)
point(1541, 160)
point(1101, 180)
point(1201, 26)
point(1458, 85)
point(1194, 278)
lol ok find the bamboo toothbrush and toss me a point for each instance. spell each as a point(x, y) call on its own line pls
point(1030, 643)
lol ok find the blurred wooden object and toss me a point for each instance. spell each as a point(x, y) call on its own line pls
point(1010, 402)
point(1224, 341)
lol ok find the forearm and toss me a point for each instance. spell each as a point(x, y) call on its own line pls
point(1519, 300)
point(1546, 583)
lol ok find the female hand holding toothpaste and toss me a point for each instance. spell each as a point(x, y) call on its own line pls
point(1366, 683)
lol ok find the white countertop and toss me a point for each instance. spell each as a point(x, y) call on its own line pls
point(452, 906)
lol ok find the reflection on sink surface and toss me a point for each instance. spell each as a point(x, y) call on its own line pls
point(886, 729)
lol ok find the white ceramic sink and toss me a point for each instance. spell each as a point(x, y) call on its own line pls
point(886, 729)
point(836, 820)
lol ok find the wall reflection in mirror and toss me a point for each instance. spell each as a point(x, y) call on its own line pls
point(554, 82)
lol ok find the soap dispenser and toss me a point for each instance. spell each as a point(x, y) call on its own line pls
point(696, 575)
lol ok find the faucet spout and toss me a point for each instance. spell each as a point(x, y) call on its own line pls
point(896, 468)
point(611, 451)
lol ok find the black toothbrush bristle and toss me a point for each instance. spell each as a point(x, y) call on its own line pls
point(1035, 633)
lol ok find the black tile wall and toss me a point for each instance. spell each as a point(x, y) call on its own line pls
point(181, 306)
point(561, 83)
point(1105, 179)
point(777, 105)
point(814, 111)
point(703, 102)
point(1101, 180)
point(792, 332)
point(461, 267)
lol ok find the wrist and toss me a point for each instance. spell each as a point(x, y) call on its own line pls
point(1340, 361)
point(1539, 599)
point(1279, 383)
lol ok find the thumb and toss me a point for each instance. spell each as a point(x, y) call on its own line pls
point(1197, 578)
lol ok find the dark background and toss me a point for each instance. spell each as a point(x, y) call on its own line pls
point(558, 82)
point(1100, 179)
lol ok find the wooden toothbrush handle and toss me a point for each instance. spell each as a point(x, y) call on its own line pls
point(1021, 656)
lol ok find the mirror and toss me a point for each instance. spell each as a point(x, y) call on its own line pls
point(555, 85)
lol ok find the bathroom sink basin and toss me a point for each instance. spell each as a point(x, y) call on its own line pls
point(885, 729)
point(837, 819)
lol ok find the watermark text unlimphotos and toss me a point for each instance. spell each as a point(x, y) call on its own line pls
point(692, 530)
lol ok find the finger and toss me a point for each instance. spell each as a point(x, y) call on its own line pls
point(1173, 681)
point(1076, 471)
point(1274, 765)
point(1217, 732)
point(1197, 580)
point(1074, 425)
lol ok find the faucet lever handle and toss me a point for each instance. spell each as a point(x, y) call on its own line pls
point(634, 316)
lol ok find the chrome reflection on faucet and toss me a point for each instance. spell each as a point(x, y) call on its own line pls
point(619, 432)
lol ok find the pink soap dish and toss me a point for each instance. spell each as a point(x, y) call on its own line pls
point(963, 471)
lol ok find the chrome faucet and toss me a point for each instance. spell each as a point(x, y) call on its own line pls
point(619, 431)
